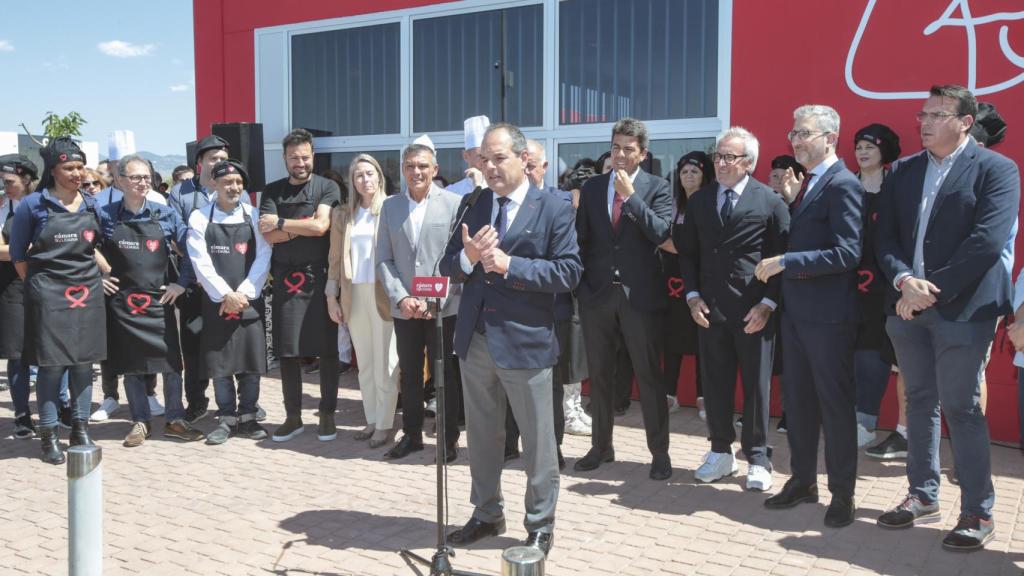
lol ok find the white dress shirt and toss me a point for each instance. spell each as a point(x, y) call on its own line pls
point(516, 199)
point(417, 211)
point(462, 187)
point(364, 227)
point(611, 188)
point(215, 286)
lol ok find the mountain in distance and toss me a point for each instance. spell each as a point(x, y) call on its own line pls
point(164, 164)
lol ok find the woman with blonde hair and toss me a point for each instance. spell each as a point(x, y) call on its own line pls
point(356, 296)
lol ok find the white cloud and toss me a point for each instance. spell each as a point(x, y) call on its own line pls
point(6, 46)
point(179, 88)
point(121, 49)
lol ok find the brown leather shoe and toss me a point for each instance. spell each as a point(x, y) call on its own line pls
point(182, 430)
point(137, 435)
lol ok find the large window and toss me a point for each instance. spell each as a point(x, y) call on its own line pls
point(458, 62)
point(346, 82)
point(649, 59)
point(339, 161)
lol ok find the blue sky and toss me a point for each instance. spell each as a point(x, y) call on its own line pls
point(121, 65)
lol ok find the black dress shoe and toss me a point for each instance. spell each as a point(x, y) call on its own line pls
point(541, 541)
point(661, 467)
point(840, 511)
point(407, 445)
point(792, 494)
point(511, 455)
point(475, 530)
point(451, 452)
point(80, 434)
point(621, 409)
point(594, 459)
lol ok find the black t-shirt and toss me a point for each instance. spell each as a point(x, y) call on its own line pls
point(289, 201)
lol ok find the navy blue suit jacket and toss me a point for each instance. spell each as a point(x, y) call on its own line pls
point(563, 302)
point(645, 225)
point(519, 309)
point(970, 222)
point(819, 283)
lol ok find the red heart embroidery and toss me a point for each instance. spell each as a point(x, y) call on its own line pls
point(867, 277)
point(77, 301)
point(152, 245)
point(675, 287)
point(88, 235)
point(242, 247)
point(138, 303)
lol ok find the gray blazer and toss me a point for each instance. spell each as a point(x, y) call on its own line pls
point(397, 261)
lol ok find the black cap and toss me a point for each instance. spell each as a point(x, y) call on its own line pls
point(989, 128)
point(700, 160)
point(230, 166)
point(18, 164)
point(786, 161)
point(211, 142)
point(880, 135)
point(58, 151)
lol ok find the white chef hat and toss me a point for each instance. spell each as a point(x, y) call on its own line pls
point(473, 131)
point(120, 143)
point(425, 140)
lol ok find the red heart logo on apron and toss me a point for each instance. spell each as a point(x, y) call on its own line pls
point(152, 245)
point(77, 301)
point(675, 287)
point(88, 235)
point(294, 287)
point(138, 303)
point(867, 277)
point(242, 247)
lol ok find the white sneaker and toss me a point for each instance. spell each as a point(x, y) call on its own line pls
point(155, 408)
point(716, 466)
point(580, 412)
point(106, 410)
point(864, 437)
point(673, 403)
point(759, 478)
point(577, 427)
point(700, 408)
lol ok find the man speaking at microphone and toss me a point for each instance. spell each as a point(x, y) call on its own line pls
point(516, 250)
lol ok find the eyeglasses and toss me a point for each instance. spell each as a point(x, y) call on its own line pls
point(729, 159)
point(139, 179)
point(933, 117)
point(90, 183)
point(801, 135)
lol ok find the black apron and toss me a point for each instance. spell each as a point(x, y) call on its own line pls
point(65, 315)
point(302, 327)
point(190, 304)
point(142, 333)
point(12, 303)
point(232, 344)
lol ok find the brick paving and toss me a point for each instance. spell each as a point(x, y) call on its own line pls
point(336, 508)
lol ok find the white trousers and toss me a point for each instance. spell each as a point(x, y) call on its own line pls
point(374, 343)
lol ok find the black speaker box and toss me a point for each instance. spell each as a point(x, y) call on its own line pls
point(246, 144)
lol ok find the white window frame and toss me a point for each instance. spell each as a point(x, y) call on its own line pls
point(272, 54)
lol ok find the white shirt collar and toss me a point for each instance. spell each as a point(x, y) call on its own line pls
point(518, 196)
point(738, 188)
point(952, 156)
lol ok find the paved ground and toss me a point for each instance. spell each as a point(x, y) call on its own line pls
point(307, 507)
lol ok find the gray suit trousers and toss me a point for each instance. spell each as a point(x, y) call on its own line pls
point(485, 388)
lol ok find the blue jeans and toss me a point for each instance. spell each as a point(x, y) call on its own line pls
point(136, 389)
point(17, 377)
point(871, 375)
point(65, 398)
point(248, 394)
point(48, 384)
point(942, 363)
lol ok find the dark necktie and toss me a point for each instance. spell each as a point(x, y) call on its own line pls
point(501, 220)
point(800, 195)
point(617, 212)
point(727, 206)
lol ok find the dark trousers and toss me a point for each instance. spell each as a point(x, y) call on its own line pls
point(723, 347)
point(108, 381)
point(819, 394)
point(607, 322)
point(623, 377)
point(48, 392)
point(189, 310)
point(291, 385)
point(871, 376)
point(562, 328)
point(411, 337)
point(673, 366)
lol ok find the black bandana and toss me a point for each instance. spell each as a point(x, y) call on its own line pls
point(18, 164)
point(226, 167)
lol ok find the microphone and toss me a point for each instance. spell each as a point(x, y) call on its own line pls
point(436, 286)
point(457, 228)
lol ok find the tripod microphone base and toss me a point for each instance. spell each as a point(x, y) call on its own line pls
point(440, 565)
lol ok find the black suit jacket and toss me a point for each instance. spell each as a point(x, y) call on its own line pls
point(970, 223)
point(819, 283)
point(633, 252)
point(718, 260)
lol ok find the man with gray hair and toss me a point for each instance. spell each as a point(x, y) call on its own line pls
point(730, 225)
point(820, 316)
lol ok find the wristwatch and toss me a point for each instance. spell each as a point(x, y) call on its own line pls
point(280, 223)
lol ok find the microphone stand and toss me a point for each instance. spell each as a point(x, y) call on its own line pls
point(440, 565)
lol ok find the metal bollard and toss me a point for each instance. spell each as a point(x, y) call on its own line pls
point(522, 561)
point(85, 511)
